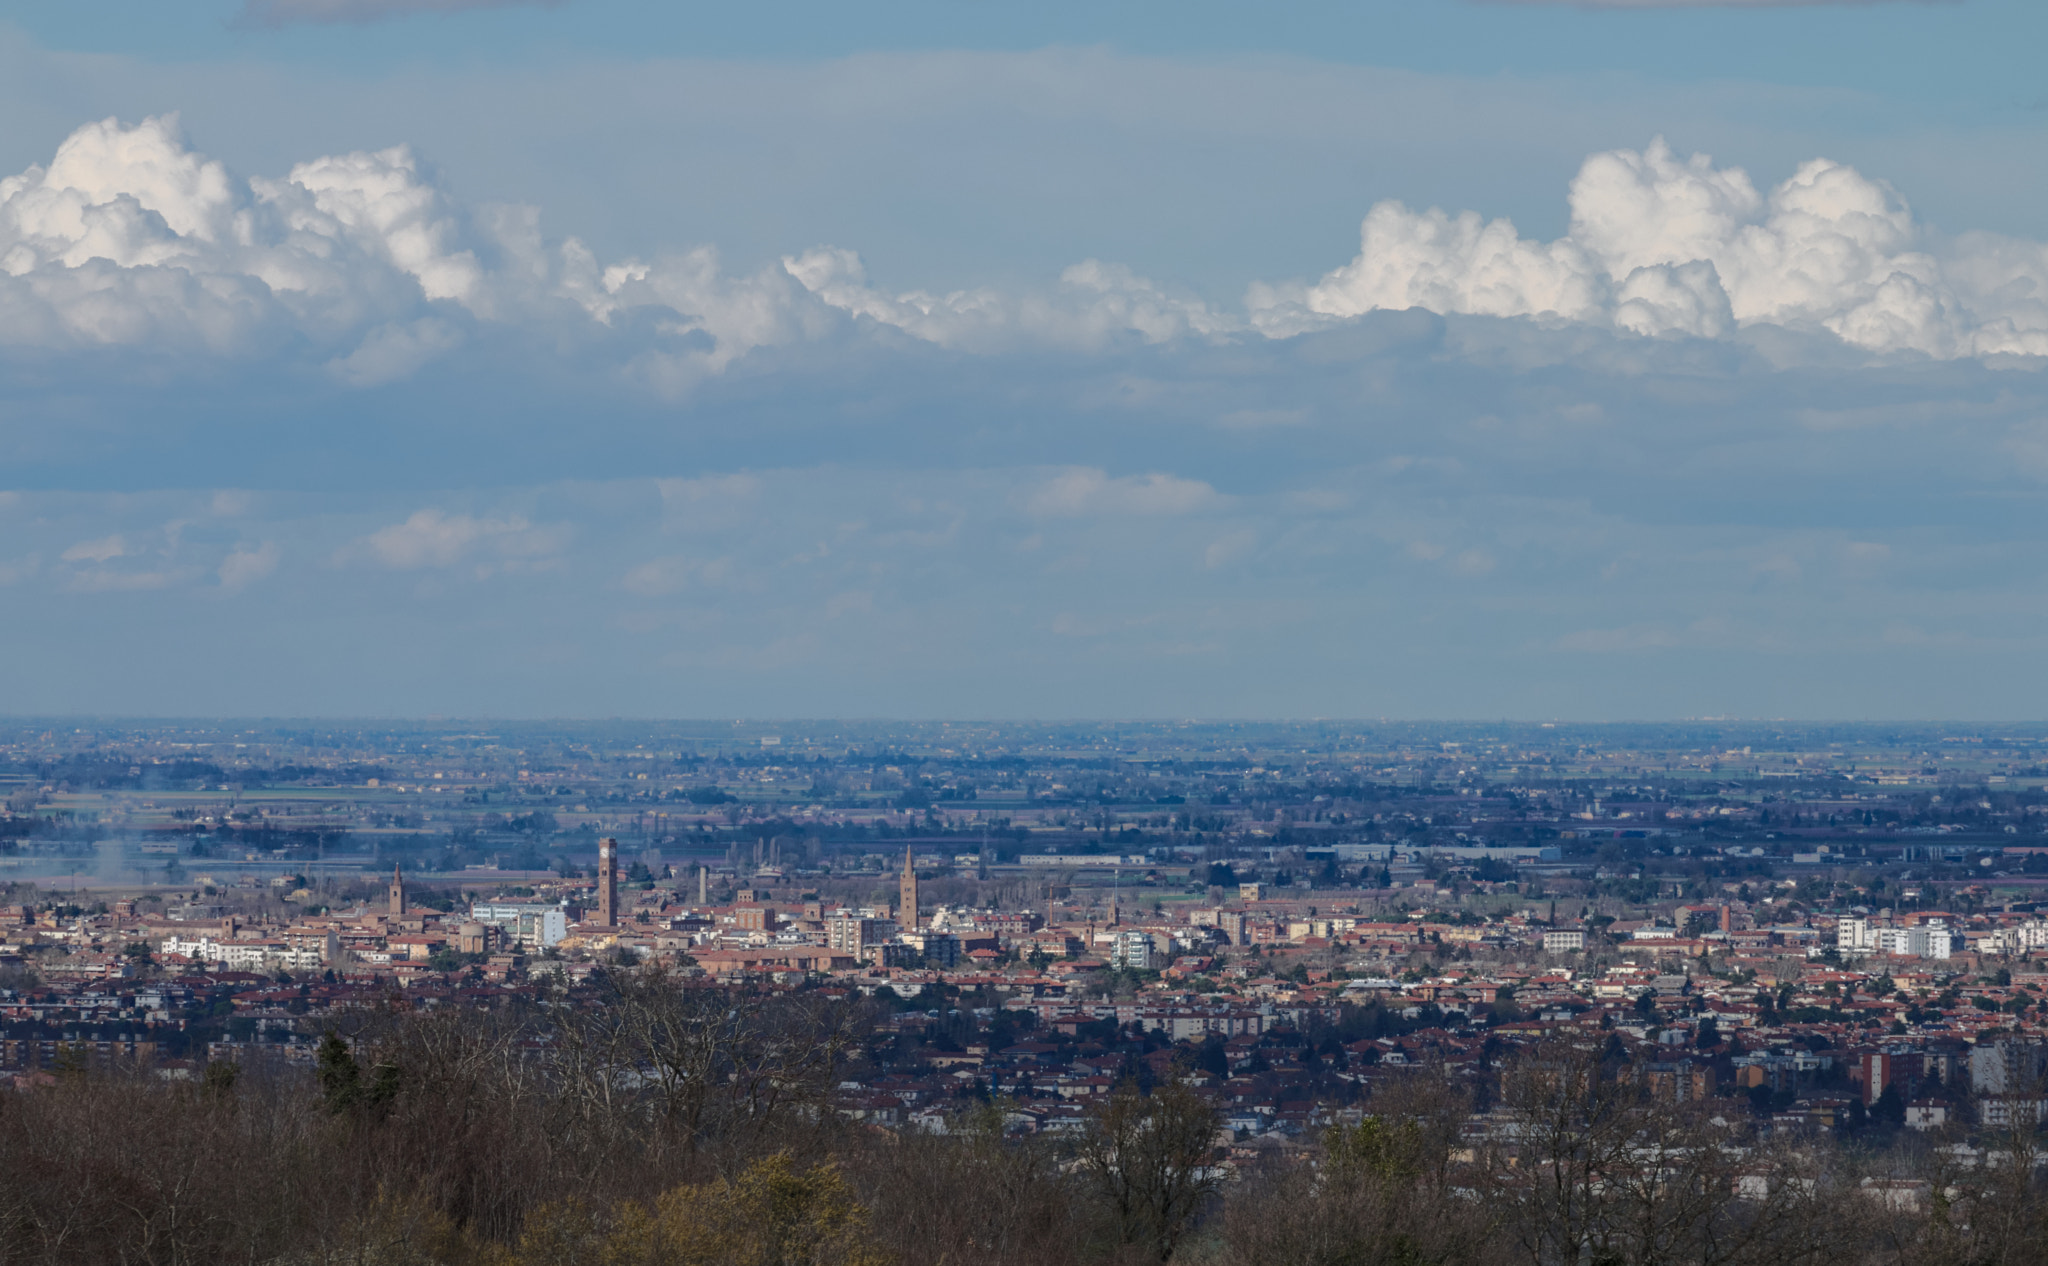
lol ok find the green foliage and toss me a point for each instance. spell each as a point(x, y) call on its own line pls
point(71, 1062)
point(220, 1077)
point(1391, 1151)
point(1890, 1107)
point(774, 1213)
point(344, 1086)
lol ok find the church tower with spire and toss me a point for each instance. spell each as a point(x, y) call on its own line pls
point(397, 892)
point(907, 916)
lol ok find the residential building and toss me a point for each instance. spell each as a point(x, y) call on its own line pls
point(532, 924)
point(939, 949)
point(2009, 1066)
point(1131, 951)
point(853, 933)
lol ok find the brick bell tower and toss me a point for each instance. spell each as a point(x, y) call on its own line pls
point(908, 891)
point(397, 892)
point(608, 882)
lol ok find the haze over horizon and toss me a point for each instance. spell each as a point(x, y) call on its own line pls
point(1462, 360)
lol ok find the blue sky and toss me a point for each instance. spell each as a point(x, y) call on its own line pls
point(1430, 360)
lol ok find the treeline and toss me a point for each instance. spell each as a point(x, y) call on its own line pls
point(101, 771)
point(655, 1122)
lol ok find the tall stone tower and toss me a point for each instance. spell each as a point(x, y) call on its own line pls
point(907, 916)
point(397, 892)
point(608, 882)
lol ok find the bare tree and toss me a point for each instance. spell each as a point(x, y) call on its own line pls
point(1151, 1161)
point(1396, 1189)
point(977, 1193)
point(1602, 1172)
point(705, 1061)
point(1984, 1203)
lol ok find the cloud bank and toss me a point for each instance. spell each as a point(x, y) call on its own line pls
point(129, 237)
point(362, 264)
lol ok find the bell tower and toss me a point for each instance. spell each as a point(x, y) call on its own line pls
point(397, 892)
point(907, 915)
point(608, 882)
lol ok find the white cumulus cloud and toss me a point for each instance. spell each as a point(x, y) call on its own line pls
point(1664, 245)
point(366, 265)
point(129, 237)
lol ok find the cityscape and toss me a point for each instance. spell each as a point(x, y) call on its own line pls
point(1352, 633)
point(1814, 933)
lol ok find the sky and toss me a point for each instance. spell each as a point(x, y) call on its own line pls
point(1441, 359)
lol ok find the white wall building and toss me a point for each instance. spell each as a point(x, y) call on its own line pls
point(1933, 939)
point(1130, 951)
point(533, 924)
point(258, 956)
point(1081, 860)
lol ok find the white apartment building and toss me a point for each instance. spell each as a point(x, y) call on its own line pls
point(242, 955)
point(1933, 939)
point(1082, 860)
point(853, 934)
point(533, 924)
point(1130, 951)
point(2019, 938)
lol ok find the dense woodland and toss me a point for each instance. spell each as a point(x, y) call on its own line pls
point(660, 1123)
